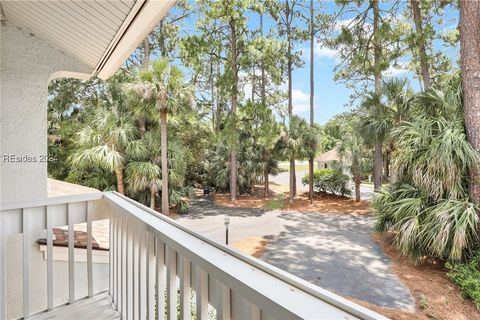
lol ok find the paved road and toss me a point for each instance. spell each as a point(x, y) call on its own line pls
point(283, 178)
point(330, 250)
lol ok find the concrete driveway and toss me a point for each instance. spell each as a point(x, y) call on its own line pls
point(333, 251)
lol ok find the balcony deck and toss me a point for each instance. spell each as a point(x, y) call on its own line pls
point(151, 257)
point(99, 307)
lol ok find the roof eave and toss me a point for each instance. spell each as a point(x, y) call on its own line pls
point(143, 17)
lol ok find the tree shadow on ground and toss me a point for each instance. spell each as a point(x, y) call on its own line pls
point(206, 207)
point(336, 252)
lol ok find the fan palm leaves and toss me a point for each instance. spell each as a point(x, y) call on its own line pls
point(430, 211)
point(298, 142)
point(352, 151)
point(161, 86)
point(380, 113)
point(103, 142)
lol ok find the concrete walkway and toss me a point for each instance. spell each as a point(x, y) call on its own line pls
point(330, 250)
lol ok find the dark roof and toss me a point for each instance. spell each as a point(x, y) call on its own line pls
point(60, 239)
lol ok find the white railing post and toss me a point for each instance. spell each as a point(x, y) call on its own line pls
point(89, 252)
point(3, 265)
point(161, 278)
point(185, 289)
point(49, 260)
point(71, 256)
point(124, 268)
point(150, 276)
point(135, 269)
point(26, 264)
point(171, 284)
point(143, 273)
point(202, 294)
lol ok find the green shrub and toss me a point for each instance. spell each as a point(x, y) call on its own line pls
point(467, 276)
point(326, 180)
point(446, 228)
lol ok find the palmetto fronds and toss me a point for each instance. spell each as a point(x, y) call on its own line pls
point(430, 212)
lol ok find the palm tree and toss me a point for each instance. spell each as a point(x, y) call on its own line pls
point(430, 209)
point(143, 172)
point(380, 113)
point(104, 142)
point(162, 85)
point(299, 142)
point(352, 150)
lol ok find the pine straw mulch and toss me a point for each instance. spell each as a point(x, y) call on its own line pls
point(322, 203)
point(436, 296)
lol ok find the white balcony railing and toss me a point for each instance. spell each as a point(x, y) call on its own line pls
point(158, 268)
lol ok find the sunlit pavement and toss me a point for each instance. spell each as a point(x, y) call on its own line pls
point(330, 250)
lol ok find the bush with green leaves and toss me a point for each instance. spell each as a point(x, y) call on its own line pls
point(467, 276)
point(327, 180)
point(429, 210)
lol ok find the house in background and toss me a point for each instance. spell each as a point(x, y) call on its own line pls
point(328, 160)
point(154, 264)
point(333, 161)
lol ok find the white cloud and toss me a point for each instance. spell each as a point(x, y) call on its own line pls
point(300, 101)
point(396, 71)
point(320, 52)
point(325, 52)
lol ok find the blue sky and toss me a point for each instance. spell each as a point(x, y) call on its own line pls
point(332, 97)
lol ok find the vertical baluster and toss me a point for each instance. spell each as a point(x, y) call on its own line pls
point(71, 256)
point(141, 272)
point(255, 312)
point(202, 294)
point(26, 264)
point(150, 276)
point(123, 270)
point(3, 264)
point(49, 260)
point(171, 284)
point(161, 278)
point(129, 269)
point(135, 261)
point(224, 302)
point(113, 247)
point(185, 286)
point(89, 252)
point(118, 259)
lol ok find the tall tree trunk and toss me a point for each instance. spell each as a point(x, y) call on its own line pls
point(290, 101)
point(312, 96)
point(142, 127)
point(265, 175)
point(212, 93)
point(264, 102)
point(119, 176)
point(470, 64)
point(164, 160)
point(146, 51)
point(357, 181)
point(152, 198)
point(263, 93)
point(233, 154)
point(377, 53)
point(420, 37)
point(386, 165)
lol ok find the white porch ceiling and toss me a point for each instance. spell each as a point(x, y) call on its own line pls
point(91, 30)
